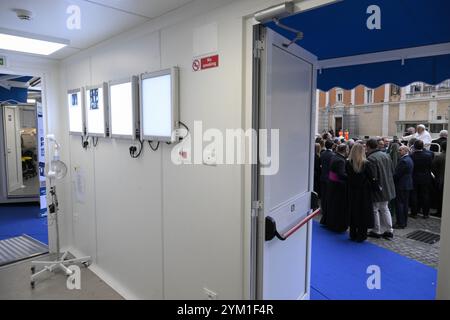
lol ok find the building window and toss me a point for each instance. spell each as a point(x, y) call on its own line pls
point(340, 95)
point(437, 127)
point(416, 87)
point(369, 96)
point(395, 90)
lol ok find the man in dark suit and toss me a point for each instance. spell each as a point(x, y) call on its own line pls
point(403, 178)
point(325, 158)
point(438, 170)
point(442, 138)
point(422, 178)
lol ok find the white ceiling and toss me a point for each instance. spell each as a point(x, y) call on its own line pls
point(100, 19)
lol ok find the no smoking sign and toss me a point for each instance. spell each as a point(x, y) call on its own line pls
point(210, 62)
point(196, 65)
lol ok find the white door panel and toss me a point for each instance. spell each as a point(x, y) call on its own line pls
point(12, 148)
point(289, 110)
point(287, 96)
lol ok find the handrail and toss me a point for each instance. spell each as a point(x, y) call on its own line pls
point(291, 231)
point(426, 94)
point(436, 144)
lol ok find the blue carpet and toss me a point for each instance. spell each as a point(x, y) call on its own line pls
point(316, 295)
point(339, 271)
point(19, 219)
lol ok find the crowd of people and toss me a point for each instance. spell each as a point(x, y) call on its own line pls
point(364, 185)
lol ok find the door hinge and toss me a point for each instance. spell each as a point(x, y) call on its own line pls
point(257, 205)
point(258, 48)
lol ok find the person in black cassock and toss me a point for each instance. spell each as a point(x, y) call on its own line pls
point(325, 158)
point(337, 215)
point(359, 186)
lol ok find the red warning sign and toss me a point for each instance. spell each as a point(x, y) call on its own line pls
point(205, 63)
point(210, 62)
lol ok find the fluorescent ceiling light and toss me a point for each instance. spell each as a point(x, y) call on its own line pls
point(29, 43)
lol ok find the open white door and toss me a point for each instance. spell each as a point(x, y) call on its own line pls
point(13, 148)
point(287, 85)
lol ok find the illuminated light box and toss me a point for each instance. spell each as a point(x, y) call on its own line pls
point(76, 112)
point(124, 108)
point(159, 105)
point(96, 106)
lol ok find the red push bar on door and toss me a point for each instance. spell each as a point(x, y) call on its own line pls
point(271, 227)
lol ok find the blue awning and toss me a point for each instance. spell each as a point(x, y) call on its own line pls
point(431, 70)
point(356, 28)
point(14, 95)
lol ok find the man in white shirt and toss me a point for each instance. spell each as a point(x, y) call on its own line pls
point(422, 134)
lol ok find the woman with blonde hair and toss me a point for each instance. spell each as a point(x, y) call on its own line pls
point(359, 182)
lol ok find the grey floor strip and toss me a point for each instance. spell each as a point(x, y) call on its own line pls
point(20, 248)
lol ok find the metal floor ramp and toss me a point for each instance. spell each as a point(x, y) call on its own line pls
point(20, 248)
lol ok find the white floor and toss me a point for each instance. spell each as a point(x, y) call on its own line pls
point(15, 285)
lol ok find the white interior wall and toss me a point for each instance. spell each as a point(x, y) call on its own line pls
point(156, 230)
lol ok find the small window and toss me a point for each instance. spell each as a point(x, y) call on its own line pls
point(436, 127)
point(416, 87)
point(340, 95)
point(395, 90)
point(369, 96)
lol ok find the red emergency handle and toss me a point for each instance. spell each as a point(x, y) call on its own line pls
point(271, 227)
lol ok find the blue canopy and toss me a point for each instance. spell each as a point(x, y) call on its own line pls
point(14, 95)
point(351, 28)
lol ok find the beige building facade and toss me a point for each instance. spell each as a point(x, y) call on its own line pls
point(385, 111)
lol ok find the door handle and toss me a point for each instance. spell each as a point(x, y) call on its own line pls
point(271, 226)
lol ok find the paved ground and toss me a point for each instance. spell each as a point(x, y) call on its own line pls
point(419, 251)
point(422, 252)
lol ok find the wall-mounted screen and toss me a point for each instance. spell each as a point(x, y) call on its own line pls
point(123, 108)
point(159, 105)
point(96, 105)
point(76, 112)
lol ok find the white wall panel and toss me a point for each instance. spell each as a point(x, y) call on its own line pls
point(128, 208)
point(202, 205)
point(119, 221)
point(131, 56)
point(77, 75)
